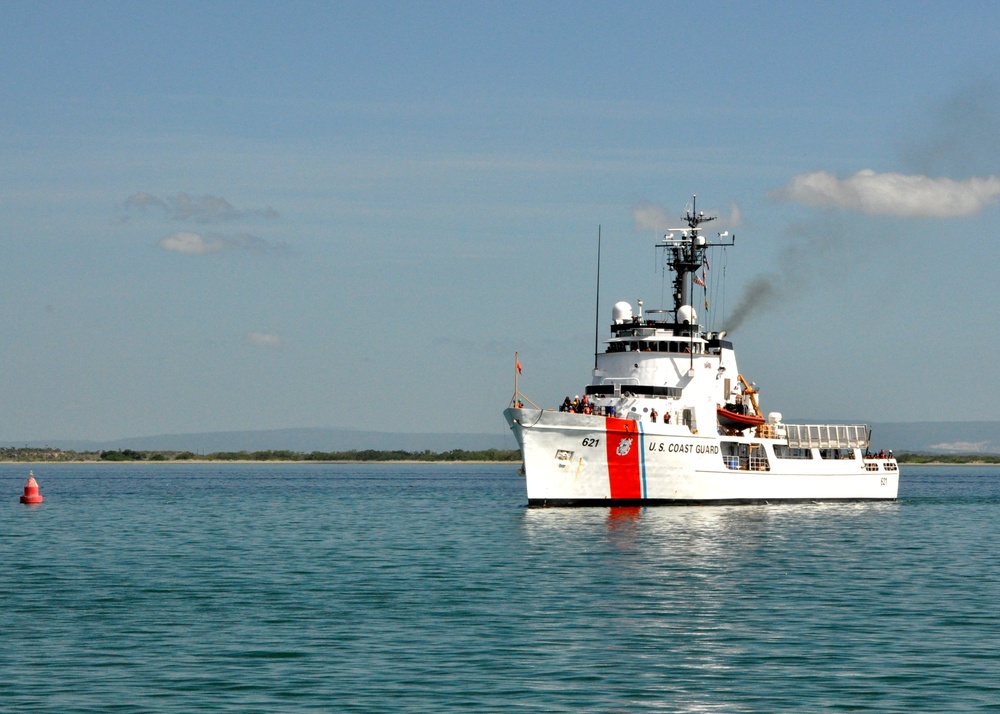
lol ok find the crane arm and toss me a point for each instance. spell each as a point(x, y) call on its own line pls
point(750, 392)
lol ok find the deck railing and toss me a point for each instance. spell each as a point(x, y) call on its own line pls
point(827, 436)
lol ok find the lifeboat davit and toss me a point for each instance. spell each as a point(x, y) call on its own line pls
point(734, 420)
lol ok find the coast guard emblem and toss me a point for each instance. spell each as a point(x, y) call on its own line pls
point(624, 446)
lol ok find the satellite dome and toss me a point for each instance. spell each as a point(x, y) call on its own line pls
point(621, 312)
point(687, 314)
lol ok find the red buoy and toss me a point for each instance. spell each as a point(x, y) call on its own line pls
point(31, 495)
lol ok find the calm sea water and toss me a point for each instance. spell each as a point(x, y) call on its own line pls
point(267, 588)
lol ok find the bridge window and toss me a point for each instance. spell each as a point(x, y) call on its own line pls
point(785, 452)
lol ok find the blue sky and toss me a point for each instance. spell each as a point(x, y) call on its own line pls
point(235, 216)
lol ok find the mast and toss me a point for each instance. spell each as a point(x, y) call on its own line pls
point(686, 255)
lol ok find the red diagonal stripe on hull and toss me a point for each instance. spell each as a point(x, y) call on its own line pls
point(623, 468)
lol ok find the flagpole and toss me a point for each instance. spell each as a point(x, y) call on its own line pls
point(516, 401)
point(517, 361)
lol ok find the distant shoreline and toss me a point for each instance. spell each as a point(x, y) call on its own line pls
point(29, 455)
point(949, 463)
point(51, 462)
point(54, 462)
point(45, 455)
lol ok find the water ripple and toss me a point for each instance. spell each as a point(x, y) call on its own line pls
point(261, 588)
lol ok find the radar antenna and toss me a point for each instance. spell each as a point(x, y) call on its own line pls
point(686, 253)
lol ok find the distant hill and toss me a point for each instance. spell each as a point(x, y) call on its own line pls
point(301, 440)
point(945, 437)
point(957, 437)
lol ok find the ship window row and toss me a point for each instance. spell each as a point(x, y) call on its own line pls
point(797, 452)
point(885, 466)
point(836, 454)
point(787, 452)
point(633, 390)
point(672, 347)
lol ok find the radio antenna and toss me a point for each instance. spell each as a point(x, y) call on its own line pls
point(597, 309)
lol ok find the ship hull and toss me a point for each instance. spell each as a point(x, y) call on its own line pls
point(585, 460)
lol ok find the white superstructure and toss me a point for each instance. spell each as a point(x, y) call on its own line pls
point(669, 419)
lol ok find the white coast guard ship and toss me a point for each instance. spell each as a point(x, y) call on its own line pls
point(669, 419)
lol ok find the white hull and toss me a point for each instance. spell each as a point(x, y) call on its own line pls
point(578, 459)
point(668, 418)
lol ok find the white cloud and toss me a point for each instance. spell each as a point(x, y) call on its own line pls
point(200, 209)
point(263, 339)
point(203, 209)
point(143, 200)
point(735, 216)
point(191, 244)
point(202, 244)
point(964, 447)
point(893, 194)
point(650, 217)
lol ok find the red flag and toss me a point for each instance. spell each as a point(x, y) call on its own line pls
point(699, 281)
point(518, 363)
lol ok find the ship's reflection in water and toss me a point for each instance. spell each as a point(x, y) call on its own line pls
point(622, 525)
point(689, 533)
point(623, 514)
point(697, 594)
point(686, 533)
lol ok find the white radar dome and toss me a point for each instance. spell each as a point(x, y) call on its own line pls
point(774, 418)
point(621, 312)
point(687, 314)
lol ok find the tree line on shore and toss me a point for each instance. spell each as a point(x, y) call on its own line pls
point(52, 454)
point(11, 453)
point(948, 458)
